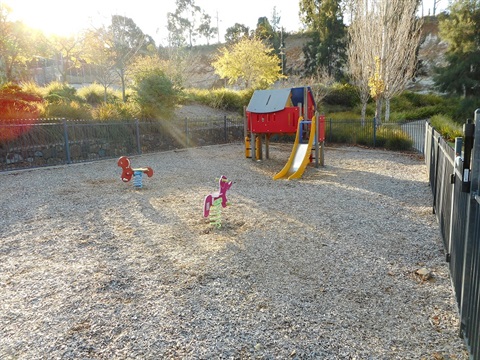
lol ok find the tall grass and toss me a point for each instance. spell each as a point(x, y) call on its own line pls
point(117, 111)
point(94, 94)
point(69, 110)
point(445, 126)
point(225, 99)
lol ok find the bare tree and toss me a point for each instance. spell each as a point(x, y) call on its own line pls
point(321, 83)
point(361, 52)
point(182, 65)
point(435, 7)
point(349, 9)
point(384, 36)
point(435, 3)
point(68, 53)
point(100, 59)
point(400, 43)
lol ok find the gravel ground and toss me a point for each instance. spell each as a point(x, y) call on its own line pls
point(345, 263)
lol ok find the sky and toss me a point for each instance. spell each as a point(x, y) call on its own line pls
point(63, 17)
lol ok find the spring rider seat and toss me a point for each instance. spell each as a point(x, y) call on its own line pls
point(128, 172)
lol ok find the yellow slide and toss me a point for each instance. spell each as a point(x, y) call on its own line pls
point(300, 156)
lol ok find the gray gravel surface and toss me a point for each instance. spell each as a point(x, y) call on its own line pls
point(345, 263)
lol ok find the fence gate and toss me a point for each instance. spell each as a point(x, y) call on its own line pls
point(470, 298)
point(455, 183)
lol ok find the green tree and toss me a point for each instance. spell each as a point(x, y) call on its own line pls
point(264, 29)
point(126, 41)
point(248, 62)
point(272, 36)
point(154, 92)
point(205, 28)
point(327, 47)
point(461, 30)
point(16, 46)
point(275, 20)
point(236, 32)
point(187, 23)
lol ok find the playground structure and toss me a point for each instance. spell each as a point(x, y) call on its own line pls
point(128, 172)
point(274, 112)
point(221, 195)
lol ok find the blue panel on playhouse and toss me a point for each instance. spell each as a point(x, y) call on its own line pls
point(267, 101)
point(298, 95)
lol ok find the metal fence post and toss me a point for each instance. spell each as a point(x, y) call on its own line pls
point(316, 142)
point(67, 142)
point(471, 256)
point(330, 132)
point(186, 132)
point(453, 180)
point(225, 127)
point(137, 133)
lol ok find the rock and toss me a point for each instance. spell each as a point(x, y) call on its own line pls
point(258, 347)
point(424, 273)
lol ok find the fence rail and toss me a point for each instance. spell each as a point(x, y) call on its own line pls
point(28, 143)
point(454, 179)
point(395, 136)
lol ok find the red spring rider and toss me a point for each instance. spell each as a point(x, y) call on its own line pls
point(128, 172)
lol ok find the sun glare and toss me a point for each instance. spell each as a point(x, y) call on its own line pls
point(52, 17)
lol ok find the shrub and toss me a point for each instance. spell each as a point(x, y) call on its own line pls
point(200, 96)
point(389, 136)
point(155, 94)
point(57, 92)
point(349, 131)
point(419, 100)
point(94, 94)
point(393, 139)
point(16, 103)
point(446, 127)
point(351, 115)
point(466, 109)
point(425, 112)
point(68, 109)
point(345, 95)
point(225, 99)
point(117, 111)
point(31, 87)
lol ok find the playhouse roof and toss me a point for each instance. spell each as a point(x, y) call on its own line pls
point(267, 101)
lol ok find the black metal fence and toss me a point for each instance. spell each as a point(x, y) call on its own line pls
point(454, 176)
point(394, 136)
point(28, 143)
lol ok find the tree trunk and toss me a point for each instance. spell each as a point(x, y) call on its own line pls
point(387, 110)
point(364, 111)
point(105, 93)
point(378, 110)
point(122, 79)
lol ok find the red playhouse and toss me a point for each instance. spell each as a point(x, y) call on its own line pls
point(286, 112)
